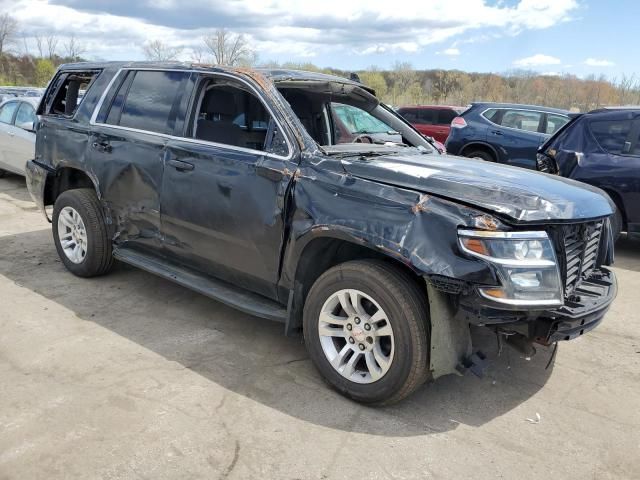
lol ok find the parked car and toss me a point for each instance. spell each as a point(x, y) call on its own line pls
point(17, 134)
point(601, 148)
point(380, 254)
point(431, 120)
point(504, 133)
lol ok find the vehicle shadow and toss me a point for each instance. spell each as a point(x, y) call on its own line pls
point(13, 188)
point(253, 358)
point(628, 253)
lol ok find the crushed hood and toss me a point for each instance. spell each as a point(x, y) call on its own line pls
point(520, 194)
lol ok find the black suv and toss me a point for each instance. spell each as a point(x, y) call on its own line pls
point(602, 148)
point(234, 183)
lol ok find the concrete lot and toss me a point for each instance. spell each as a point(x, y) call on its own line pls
point(130, 376)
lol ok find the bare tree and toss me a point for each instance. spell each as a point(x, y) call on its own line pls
point(8, 31)
point(159, 51)
point(229, 48)
point(74, 48)
point(40, 45)
point(52, 45)
point(198, 55)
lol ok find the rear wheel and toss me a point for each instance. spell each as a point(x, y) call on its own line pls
point(366, 330)
point(480, 155)
point(80, 233)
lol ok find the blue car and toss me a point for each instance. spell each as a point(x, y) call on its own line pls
point(503, 132)
point(601, 148)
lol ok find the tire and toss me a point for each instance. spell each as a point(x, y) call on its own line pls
point(97, 259)
point(406, 308)
point(480, 154)
point(617, 224)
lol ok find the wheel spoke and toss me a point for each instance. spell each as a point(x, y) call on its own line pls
point(66, 243)
point(77, 251)
point(350, 367)
point(331, 319)
point(345, 302)
point(327, 331)
point(378, 316)
point(374, 370)
point(356, 300)
point(338, 361)
point(66, 219)
point(381, 358)
point(384, 331)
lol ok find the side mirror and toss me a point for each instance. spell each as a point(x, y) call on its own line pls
point(28, 126)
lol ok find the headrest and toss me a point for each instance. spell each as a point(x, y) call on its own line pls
point(219, 101)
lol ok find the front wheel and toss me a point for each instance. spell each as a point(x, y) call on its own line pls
point(366, 328)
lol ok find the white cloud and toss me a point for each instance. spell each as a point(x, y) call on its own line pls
point(452, 52)
point(537, 60)
point(116, 29)
point(596, 62)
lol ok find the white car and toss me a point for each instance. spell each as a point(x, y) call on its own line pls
point(17, 134)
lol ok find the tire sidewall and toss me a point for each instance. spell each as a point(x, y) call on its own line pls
point(404, 348)
point(88, 264)
point(481, 155)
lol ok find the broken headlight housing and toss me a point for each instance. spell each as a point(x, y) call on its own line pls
point(525, 263)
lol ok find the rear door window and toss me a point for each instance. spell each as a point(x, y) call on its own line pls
point(7, 111)
point(150, 102)
point(612, 135)
point(446, 116)
point(555, 123)
point(427, 116)
point(522, 120)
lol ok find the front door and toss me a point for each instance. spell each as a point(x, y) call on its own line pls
point(225, 186)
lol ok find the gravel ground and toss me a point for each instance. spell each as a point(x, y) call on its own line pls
point(131, 376)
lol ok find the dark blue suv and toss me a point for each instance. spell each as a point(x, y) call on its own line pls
point(503, 132)
point(601, 148)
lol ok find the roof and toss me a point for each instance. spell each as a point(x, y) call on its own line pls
point(518, 105)
point(626, 108)
point(275, 74)
point(35, 101)
point(435, 107)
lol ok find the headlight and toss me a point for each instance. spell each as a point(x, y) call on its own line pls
point(525, 262)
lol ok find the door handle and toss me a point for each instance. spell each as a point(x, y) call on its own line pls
point(102, 146)
point(270, 173)
point(497, 132)
point(180, 165)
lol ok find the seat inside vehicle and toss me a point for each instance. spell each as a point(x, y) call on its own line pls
point(232, 116)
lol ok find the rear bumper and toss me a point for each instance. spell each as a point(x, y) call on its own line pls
point(36, 177)
point(577, 316)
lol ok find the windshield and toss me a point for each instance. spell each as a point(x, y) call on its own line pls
point(356, 120)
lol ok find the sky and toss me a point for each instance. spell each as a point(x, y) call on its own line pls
point(580, 37)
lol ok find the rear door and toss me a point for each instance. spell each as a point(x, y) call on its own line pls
point(517, 134)
point(127, 148)
point(443, 124)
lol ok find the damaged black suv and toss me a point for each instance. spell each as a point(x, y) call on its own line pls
point(247, 186)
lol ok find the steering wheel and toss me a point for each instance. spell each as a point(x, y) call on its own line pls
point(363, 138)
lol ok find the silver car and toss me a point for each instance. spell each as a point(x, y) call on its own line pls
point(17, 134)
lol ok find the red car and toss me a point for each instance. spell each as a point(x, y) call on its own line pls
point(431, 120)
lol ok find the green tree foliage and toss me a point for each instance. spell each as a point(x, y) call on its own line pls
point(44, 70)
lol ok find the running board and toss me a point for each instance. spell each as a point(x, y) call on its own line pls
point(219, 290)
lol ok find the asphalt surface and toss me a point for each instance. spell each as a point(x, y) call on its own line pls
point(131, 376)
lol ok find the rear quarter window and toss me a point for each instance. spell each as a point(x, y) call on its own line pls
point(611, 135)
point(446, 116)
point(67, 92)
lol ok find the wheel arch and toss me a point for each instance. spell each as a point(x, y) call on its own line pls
point(322, 249)
point(67, 178)
point(480, 146)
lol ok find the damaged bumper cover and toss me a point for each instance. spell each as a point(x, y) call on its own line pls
point(579, 314)
point(36, 175)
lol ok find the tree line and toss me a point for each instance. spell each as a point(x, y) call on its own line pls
point(400, 85)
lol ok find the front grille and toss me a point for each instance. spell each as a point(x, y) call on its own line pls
point(581, 247)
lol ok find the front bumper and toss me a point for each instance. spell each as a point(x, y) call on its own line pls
point(583, 312)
